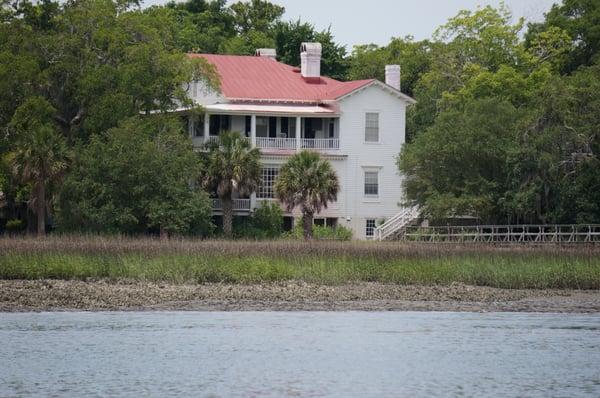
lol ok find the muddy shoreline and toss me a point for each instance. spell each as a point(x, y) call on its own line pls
point(59, 295)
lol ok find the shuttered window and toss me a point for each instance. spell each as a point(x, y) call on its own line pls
point(371, 127)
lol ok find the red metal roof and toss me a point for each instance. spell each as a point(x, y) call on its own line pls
point(262, 78)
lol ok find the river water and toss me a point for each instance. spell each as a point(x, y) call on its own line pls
point(299, 354)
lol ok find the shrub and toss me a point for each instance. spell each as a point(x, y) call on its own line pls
point(269, 218)
point(321, 233)
point(265, 223)
point(14, 226)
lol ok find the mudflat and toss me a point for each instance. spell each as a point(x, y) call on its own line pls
point(125, 295)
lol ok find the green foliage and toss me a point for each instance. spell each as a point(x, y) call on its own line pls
point(266, 222)
point(136, 178)
point(14, 226)
point(458, 166)
point(268, 217)
point(230, 166)
point(99, 63)
point(571, 28)
point(339, 233)
point(499, 135)
point(290, 35)
point(40, 152)
point(414, 57)
point(308, 182)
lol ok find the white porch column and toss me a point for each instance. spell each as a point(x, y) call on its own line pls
point(253, 130)
point(298, 131)
point(191, 123)
point(206, 126)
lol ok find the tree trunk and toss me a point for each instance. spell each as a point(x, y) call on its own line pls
point(307, 225)
point(41, 206)
point(227, 205)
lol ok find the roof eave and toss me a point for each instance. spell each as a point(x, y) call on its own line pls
point(390, 89)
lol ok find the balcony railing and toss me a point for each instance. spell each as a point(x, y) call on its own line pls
point(214, 139)
point(276, 143)
point(211, 139)
point(238, 204)
point(321, 144)
point(317, 144)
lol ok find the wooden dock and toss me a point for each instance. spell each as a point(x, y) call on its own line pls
point(588, 233)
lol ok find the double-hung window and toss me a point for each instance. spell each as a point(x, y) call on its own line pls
point(371, 183)
point(371, 127)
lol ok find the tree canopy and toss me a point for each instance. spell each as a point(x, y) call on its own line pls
point(134, 179)
point(505, 128)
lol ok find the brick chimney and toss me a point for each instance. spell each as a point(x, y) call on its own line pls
point(310, 61)
point(267, 53)
point(392, 76)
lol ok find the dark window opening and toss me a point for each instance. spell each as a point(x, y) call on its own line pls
point(272, 127)
point(248, 127)
point(288, 223)
point(219, 123)
point(285, 126)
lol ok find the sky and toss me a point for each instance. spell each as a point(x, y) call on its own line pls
point(376, 21)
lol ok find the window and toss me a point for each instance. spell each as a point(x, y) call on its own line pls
point(219, 123)
point(272, 127)
point(331, 128)
point(248, 126)
point(291, 127)
point(372, 127)
point(285, 126)
point(199, 126)
point(371, 183)
point(370, 228)
point(262, 128)
point(268, 177)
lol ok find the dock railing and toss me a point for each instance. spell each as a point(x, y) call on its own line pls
point(559, 233)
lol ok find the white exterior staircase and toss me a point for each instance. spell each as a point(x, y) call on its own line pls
point(397, 223)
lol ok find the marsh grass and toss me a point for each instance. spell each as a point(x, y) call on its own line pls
point(186, 260)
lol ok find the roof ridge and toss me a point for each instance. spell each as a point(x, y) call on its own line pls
point(254, 78)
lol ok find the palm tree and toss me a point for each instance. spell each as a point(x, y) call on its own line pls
point(40, 155)
point(231, 165)
point(309, 182)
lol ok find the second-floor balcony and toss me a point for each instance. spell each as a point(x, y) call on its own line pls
point(271, 133)
point(318, 144)
point(276, 143)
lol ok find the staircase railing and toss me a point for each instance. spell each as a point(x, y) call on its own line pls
point(399, 221)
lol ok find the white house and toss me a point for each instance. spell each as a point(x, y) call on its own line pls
point(359, 126)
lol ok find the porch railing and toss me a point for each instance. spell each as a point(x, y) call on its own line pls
point(238, 204)
point(321, 144)
point(276, 143)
